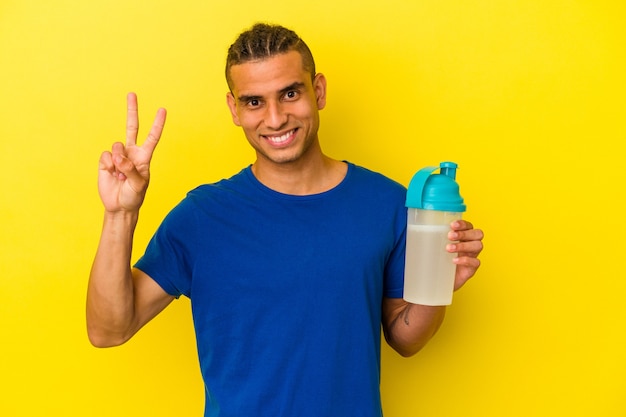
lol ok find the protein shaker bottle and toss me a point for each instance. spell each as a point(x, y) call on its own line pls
point(433, 202)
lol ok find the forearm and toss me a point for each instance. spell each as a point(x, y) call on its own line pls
point(110, 293)
point(408, 327)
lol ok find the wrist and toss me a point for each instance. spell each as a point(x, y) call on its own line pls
point(121, 214)
point(119, 220)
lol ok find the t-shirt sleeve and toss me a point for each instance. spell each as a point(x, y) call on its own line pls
point(166, 259)
point(394, 270)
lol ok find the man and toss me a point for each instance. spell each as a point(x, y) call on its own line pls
point(291, 265)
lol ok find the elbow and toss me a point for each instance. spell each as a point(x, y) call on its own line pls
point(405, 350)
point(409, 346)
point(408, 341)
point(408, 327)
point(104, 342)
point(105, 332)
point(102, 339)
point(406, 353)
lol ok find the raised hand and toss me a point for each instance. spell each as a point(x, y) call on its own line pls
point(124, 172)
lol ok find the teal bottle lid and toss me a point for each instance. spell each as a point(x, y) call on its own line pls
point(439, 192)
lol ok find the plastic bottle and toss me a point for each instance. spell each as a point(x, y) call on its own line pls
point(433, 202)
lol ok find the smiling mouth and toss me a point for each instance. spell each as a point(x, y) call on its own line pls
point(282, 139)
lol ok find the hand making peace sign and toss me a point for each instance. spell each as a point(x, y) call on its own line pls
point(124, 172)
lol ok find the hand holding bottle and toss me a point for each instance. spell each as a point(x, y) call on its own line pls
point(434, 204)
point(467, 245)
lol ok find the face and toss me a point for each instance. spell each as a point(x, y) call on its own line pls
point(277, 104)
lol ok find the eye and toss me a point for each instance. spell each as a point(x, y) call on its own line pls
point(253, 102)
point(291, 95)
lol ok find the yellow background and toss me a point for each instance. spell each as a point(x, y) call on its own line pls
point(528, 96)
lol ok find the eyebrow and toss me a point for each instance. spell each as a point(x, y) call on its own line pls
point(295, 86)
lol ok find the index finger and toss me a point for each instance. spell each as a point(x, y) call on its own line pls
point(459, 225)
point(155, 131)
point(132, 119)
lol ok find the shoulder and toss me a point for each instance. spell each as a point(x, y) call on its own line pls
point(238, 184)
point(207, 197)
point(374, 192)
point(375, 181)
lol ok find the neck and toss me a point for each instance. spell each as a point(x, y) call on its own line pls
point(300, 177)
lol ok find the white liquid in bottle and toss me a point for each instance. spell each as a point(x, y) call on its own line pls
point(429, 269)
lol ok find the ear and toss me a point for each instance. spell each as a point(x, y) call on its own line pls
point(319, 86)
point(232, 106)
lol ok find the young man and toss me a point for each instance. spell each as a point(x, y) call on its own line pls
point(291, 265)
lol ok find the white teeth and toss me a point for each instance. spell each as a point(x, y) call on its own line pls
point(280, 139)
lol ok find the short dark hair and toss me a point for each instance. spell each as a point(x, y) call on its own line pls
point(263, 41)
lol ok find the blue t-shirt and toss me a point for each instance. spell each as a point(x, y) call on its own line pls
point(286, 291)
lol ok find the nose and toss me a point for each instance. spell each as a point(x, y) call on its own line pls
point(276, 116)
